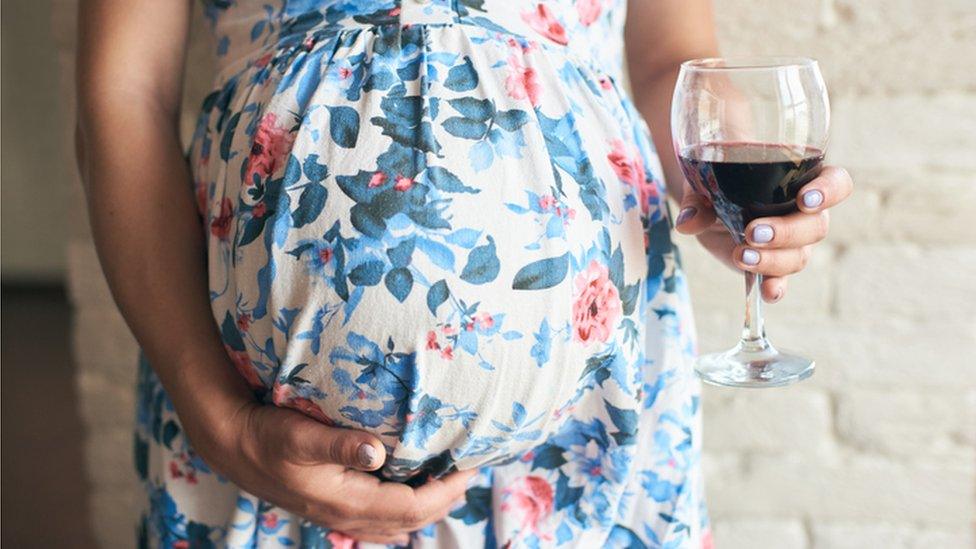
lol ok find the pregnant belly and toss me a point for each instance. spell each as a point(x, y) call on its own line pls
point(450, 273)
point(457, 351)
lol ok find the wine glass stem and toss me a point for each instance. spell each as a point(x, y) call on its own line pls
point(753, 332)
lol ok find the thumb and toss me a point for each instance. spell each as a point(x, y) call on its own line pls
point(308, 441)
point(696, 213)
point(353, 449)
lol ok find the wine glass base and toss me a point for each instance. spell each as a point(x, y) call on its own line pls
point(740, 367)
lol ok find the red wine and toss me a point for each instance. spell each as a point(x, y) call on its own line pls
point(749, 180)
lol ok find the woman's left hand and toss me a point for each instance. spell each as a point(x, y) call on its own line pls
point(775, 247)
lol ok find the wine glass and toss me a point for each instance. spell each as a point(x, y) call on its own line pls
point(749, 132)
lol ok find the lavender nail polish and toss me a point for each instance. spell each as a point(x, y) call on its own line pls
point(761, 234)
point(367, 454)
point(685, 215)
point(750, 257)
point(812, 199)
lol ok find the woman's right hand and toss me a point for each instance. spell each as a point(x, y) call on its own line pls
point(316, 471)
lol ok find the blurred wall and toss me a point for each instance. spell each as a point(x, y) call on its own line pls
point(877, 449)
point(34, 192)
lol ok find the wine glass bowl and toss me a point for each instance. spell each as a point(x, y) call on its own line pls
point(749, 132)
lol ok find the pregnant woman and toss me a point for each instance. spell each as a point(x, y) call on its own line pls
point(415, 283)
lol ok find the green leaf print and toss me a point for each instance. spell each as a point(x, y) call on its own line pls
point(310, 204)
point(399, 281)
point(344, 126)
point(542, 274)
point(483, 264)
point(462, 77)
point(436, 295)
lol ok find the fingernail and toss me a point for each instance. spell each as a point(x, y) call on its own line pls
point(404, 541)
point(812, 199)
point(778, 296)
point(762, 234)
point(367, 455)
point(750, 257)
point(685, 214)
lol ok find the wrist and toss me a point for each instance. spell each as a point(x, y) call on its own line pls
point(209, 397)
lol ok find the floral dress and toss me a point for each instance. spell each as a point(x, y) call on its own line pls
point(442, 222)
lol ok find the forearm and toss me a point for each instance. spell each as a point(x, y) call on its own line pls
point(660, 35)
point(652, 97)
point(150, 244)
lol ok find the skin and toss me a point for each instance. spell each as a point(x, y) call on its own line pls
point(130, 66)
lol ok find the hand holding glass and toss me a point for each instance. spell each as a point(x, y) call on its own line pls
point(749, 133)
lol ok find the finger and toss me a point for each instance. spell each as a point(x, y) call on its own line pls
point(774, 288)
point(695, 214)
point(789, 231)
point(771, 262)
point(309, 442)
point(416, 508)
point(828, 189)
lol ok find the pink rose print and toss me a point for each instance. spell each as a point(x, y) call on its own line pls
point(521, 82)
point(627, 163)
point(376, 180)
point(271, 145)
point(270, 520)
point(263, 61)
point(530, 497)
point(242, 361)
point(403, 183)
point(707, 542)
point(589, 11)
point(597, 307)
point(244, 322)
point(484, 320)
point(220, 225)
point(546, 202)
point(182, 468)
point(201, 193)
point(325, 255)
point(446, 351)
point(340, 540)
point(545, 23)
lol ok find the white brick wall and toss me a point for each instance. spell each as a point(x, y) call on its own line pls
point(877, 449)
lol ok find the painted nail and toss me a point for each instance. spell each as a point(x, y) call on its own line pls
point(812, 199)
point(762, 234)
point(685, 215)
point(750, 257)
point(367, 455)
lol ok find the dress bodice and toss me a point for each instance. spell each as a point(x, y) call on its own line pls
point(591, 29)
